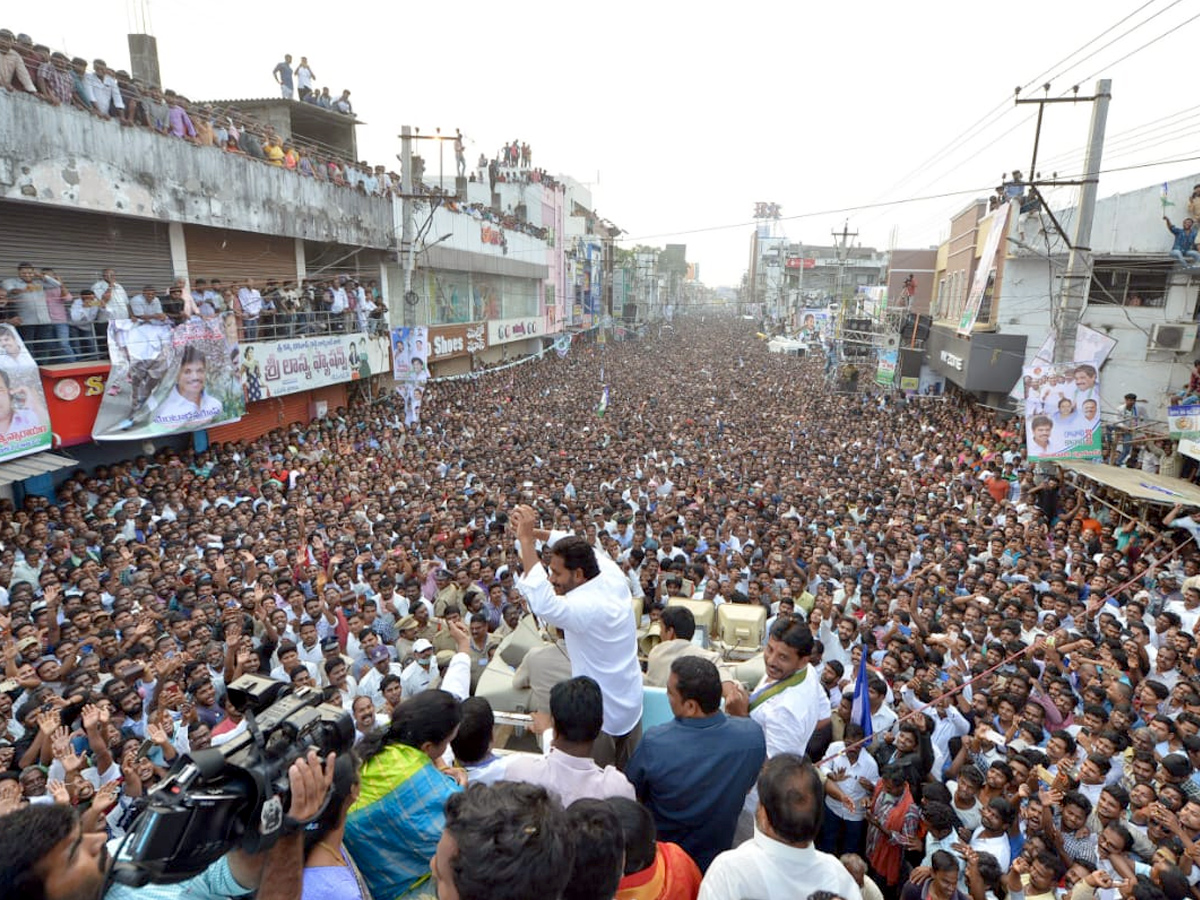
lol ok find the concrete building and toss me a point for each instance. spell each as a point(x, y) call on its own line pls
point(1139, 296)
point(921, 265)
point(79, 195)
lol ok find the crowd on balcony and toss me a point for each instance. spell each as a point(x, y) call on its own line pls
point(59, 324)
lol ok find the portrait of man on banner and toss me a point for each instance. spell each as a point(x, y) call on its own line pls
point(1062, 410)
point(170, 380)
point(24, 420)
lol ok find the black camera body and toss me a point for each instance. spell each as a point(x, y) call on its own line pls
point(234, 795)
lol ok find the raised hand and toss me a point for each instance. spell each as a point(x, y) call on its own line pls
point(91, 716)
point(156, 734)
point(10, 795)
point(58, 791)
point(107, 796)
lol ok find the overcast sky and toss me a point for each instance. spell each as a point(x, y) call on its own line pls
point(681, 116)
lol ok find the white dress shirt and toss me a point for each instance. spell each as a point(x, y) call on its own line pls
point(789, 719)
point(369, 684)
point(766, 869)
point(863, 767)
point(601, 635)
point(569, 778)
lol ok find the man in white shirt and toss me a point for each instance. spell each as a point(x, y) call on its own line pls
point(789, 702)
point(850, 779)
point(371, 683)
point(418, 674)
point(250, 302)
point(567, 770)
point(587, 597)
point(839, 636)
point(112, 295)
point(105, 93)
point(781, 856)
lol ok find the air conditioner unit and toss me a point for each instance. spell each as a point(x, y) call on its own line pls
point(1174, 336)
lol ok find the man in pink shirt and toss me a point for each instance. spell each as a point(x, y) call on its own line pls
point(57, 335)
point(567, 771)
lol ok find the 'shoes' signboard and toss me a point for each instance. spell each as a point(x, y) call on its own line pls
point(169, 380)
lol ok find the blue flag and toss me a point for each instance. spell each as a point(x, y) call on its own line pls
point(860, 712)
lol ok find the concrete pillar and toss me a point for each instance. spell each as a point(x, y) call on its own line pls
point(384, 293)
point(143, 59)
point(301, 262)
point(178, 244)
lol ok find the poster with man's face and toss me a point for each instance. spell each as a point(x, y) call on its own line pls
point(24, 420)
point(1062, 410)
point(169, 380)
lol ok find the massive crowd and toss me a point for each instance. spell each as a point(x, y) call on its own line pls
point(1030, 678)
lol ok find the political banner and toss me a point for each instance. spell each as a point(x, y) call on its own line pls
point(410, 354)
point(24, 420)
point(1183, 422)
point(169, 379)
point(983, 281)
point(412, 393)
point(885, 370)
point(1091, 346)
point(277, 368)
point(1062, 410)
point(815, 323)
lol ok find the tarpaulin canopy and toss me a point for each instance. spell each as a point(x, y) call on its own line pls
point(1138, 484)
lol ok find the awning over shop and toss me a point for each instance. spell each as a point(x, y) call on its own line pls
point(30, 466)
point(1138, 484)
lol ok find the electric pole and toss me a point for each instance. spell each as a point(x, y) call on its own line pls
point(1078, 278)
point(843, 256)
point(406, 240)
point(1065, 314)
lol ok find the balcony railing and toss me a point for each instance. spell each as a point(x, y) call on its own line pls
point(66, 343)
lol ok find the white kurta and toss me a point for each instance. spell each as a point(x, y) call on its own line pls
point(601, 636)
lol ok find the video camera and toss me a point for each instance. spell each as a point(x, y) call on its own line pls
point(234, 795)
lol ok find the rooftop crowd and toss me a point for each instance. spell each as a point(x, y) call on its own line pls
point(34, 69)
point(1030, 676)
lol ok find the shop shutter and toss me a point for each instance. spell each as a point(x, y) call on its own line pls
point(233, 256)
point(80, 245)
point(262, 417)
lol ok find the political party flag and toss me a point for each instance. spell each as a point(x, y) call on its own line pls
point(603, 402)
point(860, 712)
point(1165, 202)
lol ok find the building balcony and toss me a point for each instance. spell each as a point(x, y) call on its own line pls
point(69, 158)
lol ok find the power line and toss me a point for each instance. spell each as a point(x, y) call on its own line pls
point(884, 203)
point(1119, 37)
point(982, 124)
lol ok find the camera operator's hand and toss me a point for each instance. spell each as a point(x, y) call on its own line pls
point(310, 785)
point(282, 870)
